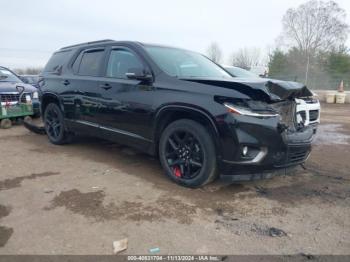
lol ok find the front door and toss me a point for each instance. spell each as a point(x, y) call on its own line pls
point(126, 108)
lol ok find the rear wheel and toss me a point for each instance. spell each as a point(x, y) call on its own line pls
point(187, 153)
point(54, 125)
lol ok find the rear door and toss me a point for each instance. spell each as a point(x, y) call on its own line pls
point(51, 77)
point(84, 84)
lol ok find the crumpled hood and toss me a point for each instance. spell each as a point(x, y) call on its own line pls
point(270, 89)
point(11, 87)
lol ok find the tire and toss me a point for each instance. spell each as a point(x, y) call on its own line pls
point(187, 153)
point(5, 123)
point(54, 125)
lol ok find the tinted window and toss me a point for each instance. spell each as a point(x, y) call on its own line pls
point(120, 62)
point(57, 60)
point(91, 62)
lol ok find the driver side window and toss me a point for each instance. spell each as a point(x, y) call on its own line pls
point(120, 62)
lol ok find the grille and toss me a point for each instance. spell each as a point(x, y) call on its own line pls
point(9, 97)
point(313, 115)
point(13, 97)
point(297, 155)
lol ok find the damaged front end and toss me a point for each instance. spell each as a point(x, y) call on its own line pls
point(270, 133)
point(293, 128)
point(282, 118)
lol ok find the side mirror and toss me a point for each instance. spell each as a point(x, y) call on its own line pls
point(139, 74)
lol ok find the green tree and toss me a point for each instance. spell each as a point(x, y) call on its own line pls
point(326, 71)
point(278, 64)
point(337, 65)
point(313, 27)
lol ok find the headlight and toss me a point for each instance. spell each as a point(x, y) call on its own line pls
point(247, 111)
point(35, 95)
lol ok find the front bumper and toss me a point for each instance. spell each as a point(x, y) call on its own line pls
point(272, 148)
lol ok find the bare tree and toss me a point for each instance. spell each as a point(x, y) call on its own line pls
point(214, 52)
point(315, 26)
point(246, 58)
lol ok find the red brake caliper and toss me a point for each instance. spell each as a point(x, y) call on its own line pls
point(177, 171)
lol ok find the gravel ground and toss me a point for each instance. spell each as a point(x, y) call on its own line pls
point(79, 198)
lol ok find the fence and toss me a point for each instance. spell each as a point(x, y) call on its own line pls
point(318, 81)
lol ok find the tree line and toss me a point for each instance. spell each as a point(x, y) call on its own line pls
point(310, 49)
point(27, 71)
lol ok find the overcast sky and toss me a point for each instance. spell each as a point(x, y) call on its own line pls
point(32, 30)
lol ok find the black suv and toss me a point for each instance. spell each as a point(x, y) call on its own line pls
point(175, 104)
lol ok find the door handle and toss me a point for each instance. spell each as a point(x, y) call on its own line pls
point(65, 82)
point(106, 86)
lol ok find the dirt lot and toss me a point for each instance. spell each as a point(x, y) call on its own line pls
point(79, 198)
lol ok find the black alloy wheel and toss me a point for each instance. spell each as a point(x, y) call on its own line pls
point(187, 153)
point(54, 125)
point(184, 154)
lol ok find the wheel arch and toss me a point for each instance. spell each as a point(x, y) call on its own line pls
point(48, 98)
point(171, 113)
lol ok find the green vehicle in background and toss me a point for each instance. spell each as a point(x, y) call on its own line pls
point(19, 101)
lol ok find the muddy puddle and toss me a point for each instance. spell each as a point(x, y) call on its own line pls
point(91, 205)
point(331, 134)
point(16, 182)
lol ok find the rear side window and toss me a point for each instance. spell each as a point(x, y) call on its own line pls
point(57, 60)
point(91, 62)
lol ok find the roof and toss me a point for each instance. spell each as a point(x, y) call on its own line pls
point(89, 43)
point(110, 41)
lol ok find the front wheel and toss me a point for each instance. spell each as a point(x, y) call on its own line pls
point(187, 153)
point(54, 125)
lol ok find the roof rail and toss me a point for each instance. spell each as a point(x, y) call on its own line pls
point(88, 43)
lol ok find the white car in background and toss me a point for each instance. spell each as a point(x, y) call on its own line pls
point(308, 109)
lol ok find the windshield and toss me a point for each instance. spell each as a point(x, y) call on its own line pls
point(183, 64)
point(8, 76)
point(239, 72)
